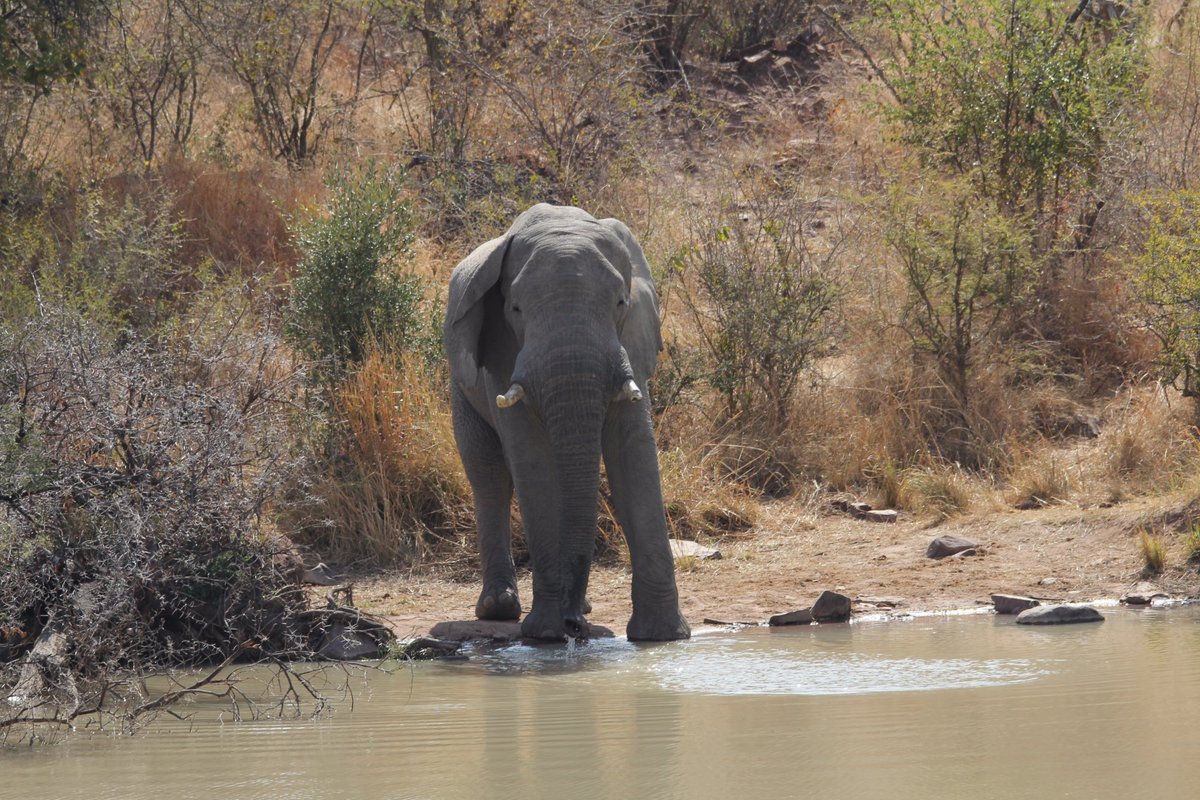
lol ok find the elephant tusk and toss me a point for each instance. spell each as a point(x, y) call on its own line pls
point(631, 391)
point(511, 397)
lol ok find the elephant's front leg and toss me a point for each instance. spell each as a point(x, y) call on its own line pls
point(492, 488)
point(631, 460)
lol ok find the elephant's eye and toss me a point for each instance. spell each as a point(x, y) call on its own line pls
point(516, 309)
point(621, 302)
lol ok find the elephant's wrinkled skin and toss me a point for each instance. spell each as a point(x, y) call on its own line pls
point(545, 329)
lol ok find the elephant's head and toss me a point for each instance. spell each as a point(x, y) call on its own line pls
point(559, 317)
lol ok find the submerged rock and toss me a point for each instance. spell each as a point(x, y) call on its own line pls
point(831, 607)
point(949, 545)
point(496, 631)
point(1059, 615)
point(1013, 604)
point(802, 616)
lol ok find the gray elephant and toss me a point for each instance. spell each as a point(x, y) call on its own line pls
point(551, 331)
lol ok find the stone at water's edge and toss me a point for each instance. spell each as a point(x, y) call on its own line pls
point(1144, 594)
point(831, 607)
point(802, 617)
point(949, 545)
point(1059, 615)
point(482, 630)
point(1013, 604)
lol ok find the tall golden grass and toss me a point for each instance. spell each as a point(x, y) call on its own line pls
point(393, 491)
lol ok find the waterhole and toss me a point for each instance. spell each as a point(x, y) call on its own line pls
point(935, 707)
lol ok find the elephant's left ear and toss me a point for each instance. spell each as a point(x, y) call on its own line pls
point(471, 280)
point(642, 341)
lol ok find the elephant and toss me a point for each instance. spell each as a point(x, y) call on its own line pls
point(552, 331)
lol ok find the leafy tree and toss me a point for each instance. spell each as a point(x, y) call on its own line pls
point(966, 270)
point(765, 302)
point(1167, 278)
point(44, 42)
point(1021, 96)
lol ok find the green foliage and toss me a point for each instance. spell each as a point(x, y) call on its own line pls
point(349, 287)
point(1167, 278)
point(1009, 92)
point(44, 42)
point(766, 305)
point(965, 270)
point(112, 261)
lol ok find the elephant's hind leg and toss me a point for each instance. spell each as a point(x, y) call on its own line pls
point(492, 487)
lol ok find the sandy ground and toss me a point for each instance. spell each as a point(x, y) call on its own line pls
point(1064, 553)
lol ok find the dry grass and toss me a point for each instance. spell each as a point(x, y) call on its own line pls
point(1150, 443)
point(940, 490)
point(1153, 550)
point(699, 504)
point(395, 491)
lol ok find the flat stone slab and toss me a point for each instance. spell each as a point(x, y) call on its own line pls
point(1064, 614)
point(881, 602)
point(1013, 604)
point(685, 548)
point(803, 616)
point(1144, 594)
point(949, 545)
point(482, 630)
point(885, 515)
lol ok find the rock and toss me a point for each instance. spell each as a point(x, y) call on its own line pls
point(42, 668)
point(803, 616)
point(1143, 595)
point(1047, 581)
point(320, 575)
point(948, 545)
point(831, 607)
point(343, 642)
point(1059, 615)
point(1013, 604)
point(426, 647)
point(683, 548)
point(882, 602)
point(495, 631)
point(882, 515)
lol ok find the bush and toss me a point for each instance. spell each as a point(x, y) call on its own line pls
point(134, 485)
point(348, 287)
point(766, 305)
point(966, 272)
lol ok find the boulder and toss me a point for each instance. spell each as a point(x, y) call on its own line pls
point(803, 616)
point(1059, 615)
point(1013, 604)
point(320, 575)
point(831, 607)
point(683, 548)
point(1143, 595)
point(347, 642)
point(948, 545)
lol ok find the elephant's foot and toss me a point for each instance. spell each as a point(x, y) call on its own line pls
point(500, 603)
point(657, 625)
point(544, 623)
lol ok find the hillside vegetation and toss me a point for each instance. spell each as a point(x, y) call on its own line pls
point(940, 255)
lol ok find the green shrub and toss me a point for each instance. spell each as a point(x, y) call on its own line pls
point(349, 287)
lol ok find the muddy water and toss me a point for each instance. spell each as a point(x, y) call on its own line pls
point(944, 707)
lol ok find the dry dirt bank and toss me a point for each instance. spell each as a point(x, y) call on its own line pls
point(1063, 553)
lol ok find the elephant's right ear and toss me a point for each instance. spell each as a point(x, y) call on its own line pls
point(470, 281)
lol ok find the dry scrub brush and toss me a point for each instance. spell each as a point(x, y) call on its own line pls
point(386, 486)
point(135, 477)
